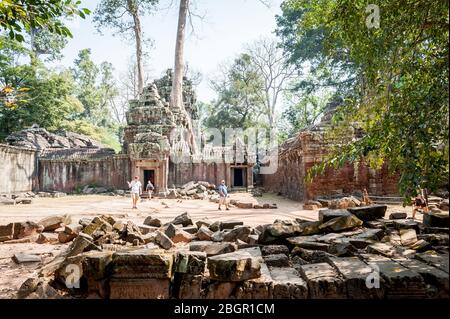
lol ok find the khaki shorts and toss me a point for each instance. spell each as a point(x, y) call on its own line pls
point(135, 195)
point(222, 200)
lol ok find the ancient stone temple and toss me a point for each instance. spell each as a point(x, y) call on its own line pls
point(154, 138)
point(309, 147)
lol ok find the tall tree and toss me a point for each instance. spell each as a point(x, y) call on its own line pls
point(400, 96)
point(275, 72)
point(240, 102)
point(125, 17)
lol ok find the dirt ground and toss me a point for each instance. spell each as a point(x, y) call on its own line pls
point(13, 275)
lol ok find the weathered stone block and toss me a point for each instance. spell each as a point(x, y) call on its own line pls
point(235, 266)
point(278, 260)
point(229, 224)
point(323, 281)
point(240, 232)
point(53, 222)
point(287, 284)
point(328, 214)
point(164, 241)
point(356, 274)
point(204, 233)
point(341, 223)
point(274, 249)
point(369, 213)
point(433, 219)
point(190, 262)
point(151, 221)
point(211, 248)
point(142, 263)
point(126, 288)
point(257, 288)
point(183, 219)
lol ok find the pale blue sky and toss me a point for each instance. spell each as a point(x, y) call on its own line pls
point(228, 26)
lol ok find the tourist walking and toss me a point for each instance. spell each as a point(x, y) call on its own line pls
point(136, 190)
point(149, 189)
point(420, 204)
point(223, 194)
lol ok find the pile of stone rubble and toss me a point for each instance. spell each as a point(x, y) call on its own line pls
point(342, 255)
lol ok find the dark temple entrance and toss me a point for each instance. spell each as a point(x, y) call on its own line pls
point(238, 177)
point(149, 174)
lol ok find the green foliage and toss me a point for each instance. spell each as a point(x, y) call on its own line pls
point(400, 96)
point(18, 17)
point(106, 135)
point(240, 102)
point(118, 14)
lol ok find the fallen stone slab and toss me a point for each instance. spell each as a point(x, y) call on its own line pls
point(329, 238)
point(218, 236)
point(151, 221)
point(406, 224)
point(204, 233)
point(144, 229)
point(190, 229)
point(229, 224)
point(408, 237)
point(212, 248)
point(383, 249)
point(341, 223)
point(53, 222)
point(434, 259)
point(379, 223)
point(47, 238)
point(190, 262)
point(240, 232)
point(203, 222)
point(183, 219)
point(328, 214)
point(142, 263)
point(244, 205)
point(274, 249)
point(399, 281)
point(163, 240)
point(235, 266)
point(433, 219)
point(6, 232)
point(398, 215)
point(432, 276)
point(439, 239)
point(323, 281)
point(256, 288)
point(81, 243)
point(369, 213)
point(25, 201)
point(357, 274)
point(26, 258)
point(287, 284)
point(277, 260)
point(25, 229)
point(341, 249)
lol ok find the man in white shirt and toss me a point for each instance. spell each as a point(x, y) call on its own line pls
point(136, 190)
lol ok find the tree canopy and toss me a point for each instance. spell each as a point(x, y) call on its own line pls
point(399, 97)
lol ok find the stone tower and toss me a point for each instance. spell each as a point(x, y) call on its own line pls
point(146, 138)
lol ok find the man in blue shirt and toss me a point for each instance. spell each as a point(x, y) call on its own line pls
point(223, 194)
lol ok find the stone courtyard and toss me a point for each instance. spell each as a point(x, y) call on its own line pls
point(186, 248)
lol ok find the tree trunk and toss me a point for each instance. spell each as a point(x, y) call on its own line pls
point(138, 37)
point(176, 96)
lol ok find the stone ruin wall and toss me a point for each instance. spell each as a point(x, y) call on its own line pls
point(180, 174)
point(17, 167)
point(65, 175)
point(309, 148)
